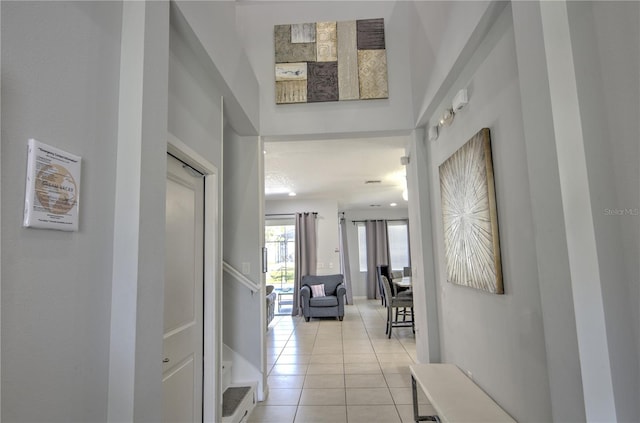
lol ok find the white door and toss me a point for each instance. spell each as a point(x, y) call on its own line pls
point(183, 295)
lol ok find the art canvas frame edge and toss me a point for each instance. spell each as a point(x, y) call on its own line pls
point(493, 208)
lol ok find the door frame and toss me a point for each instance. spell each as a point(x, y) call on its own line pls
point(212, 383)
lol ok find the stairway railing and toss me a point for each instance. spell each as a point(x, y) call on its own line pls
point(239, 277)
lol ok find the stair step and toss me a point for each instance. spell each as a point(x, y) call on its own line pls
point(237, 403)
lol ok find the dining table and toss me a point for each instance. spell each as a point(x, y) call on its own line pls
point(403, 283)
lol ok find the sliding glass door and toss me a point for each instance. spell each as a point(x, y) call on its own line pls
point(280, 243)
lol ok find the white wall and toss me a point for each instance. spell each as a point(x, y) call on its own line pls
point(498, 338)
point(440, 34)
point(425, 290)
point(328, 230)
point(213, 36)
point(82, 328)
point(554, 281)
point(358, 278)
point(195, 106)
point(575, 59)
point(60, 67)
point(242, 310)
point(621, 103)
point(256, 21)
point(605, 51)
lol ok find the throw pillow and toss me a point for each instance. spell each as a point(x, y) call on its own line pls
point(317, 291)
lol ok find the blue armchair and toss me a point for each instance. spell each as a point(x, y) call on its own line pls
point(331, 304)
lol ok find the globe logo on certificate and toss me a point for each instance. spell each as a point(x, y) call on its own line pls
point(56, 189)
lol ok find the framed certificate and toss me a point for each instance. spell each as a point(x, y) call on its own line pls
point(52, 195)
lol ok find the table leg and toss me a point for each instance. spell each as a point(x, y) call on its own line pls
point(416, 414)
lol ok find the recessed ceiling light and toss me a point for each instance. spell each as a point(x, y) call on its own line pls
point(393, 204)
point(292, 194)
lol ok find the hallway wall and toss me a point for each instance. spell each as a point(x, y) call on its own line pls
point(607, 61)
point(60, 77)
point(82, 328)
point(499, 339)
point(242, 310)
point(195, 100)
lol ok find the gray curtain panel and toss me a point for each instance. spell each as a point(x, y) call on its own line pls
point(306, 254)
point(344, 258)
point(377, 253)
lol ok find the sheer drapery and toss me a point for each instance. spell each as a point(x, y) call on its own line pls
point(344, 259)
point(306, 254)
point(377, 253)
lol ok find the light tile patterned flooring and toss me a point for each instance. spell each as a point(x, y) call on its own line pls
point(339, 372)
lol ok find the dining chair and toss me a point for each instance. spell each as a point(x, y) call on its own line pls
point(382, 270)
point(394, 304)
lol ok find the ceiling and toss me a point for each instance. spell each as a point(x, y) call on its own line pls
point(337, 169)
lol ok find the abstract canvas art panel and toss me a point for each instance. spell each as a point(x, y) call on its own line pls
point(469, 216)
point(330, 61)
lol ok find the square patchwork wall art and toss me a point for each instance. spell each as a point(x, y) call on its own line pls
point(330, 61)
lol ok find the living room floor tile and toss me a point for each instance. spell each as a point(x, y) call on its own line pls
point(294, 359)
point(398, 380)
point(365, 381)
point(283, 397)
point(326, 359)
point(272, 414)
point(323, 381)
point(289, 369)
point(372, 414)
point(360, 358)
point(362, 368)
point(339, 372)
point(321, 414)
point(334, 396)
point(325, 369)
point(285, 381)
point(369, 396)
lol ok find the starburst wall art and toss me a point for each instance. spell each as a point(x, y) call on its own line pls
point(469, 216)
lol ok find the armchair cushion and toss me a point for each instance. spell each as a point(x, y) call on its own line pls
point(317, 291)
point(330, 301)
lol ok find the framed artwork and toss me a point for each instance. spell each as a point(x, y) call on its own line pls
point(330, 61)
point(469, 216)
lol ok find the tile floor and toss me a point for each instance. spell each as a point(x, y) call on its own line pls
point(339, 372)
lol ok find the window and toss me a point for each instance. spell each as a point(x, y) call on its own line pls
point(398, 234)
point(362, 247)
point(398, 244)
